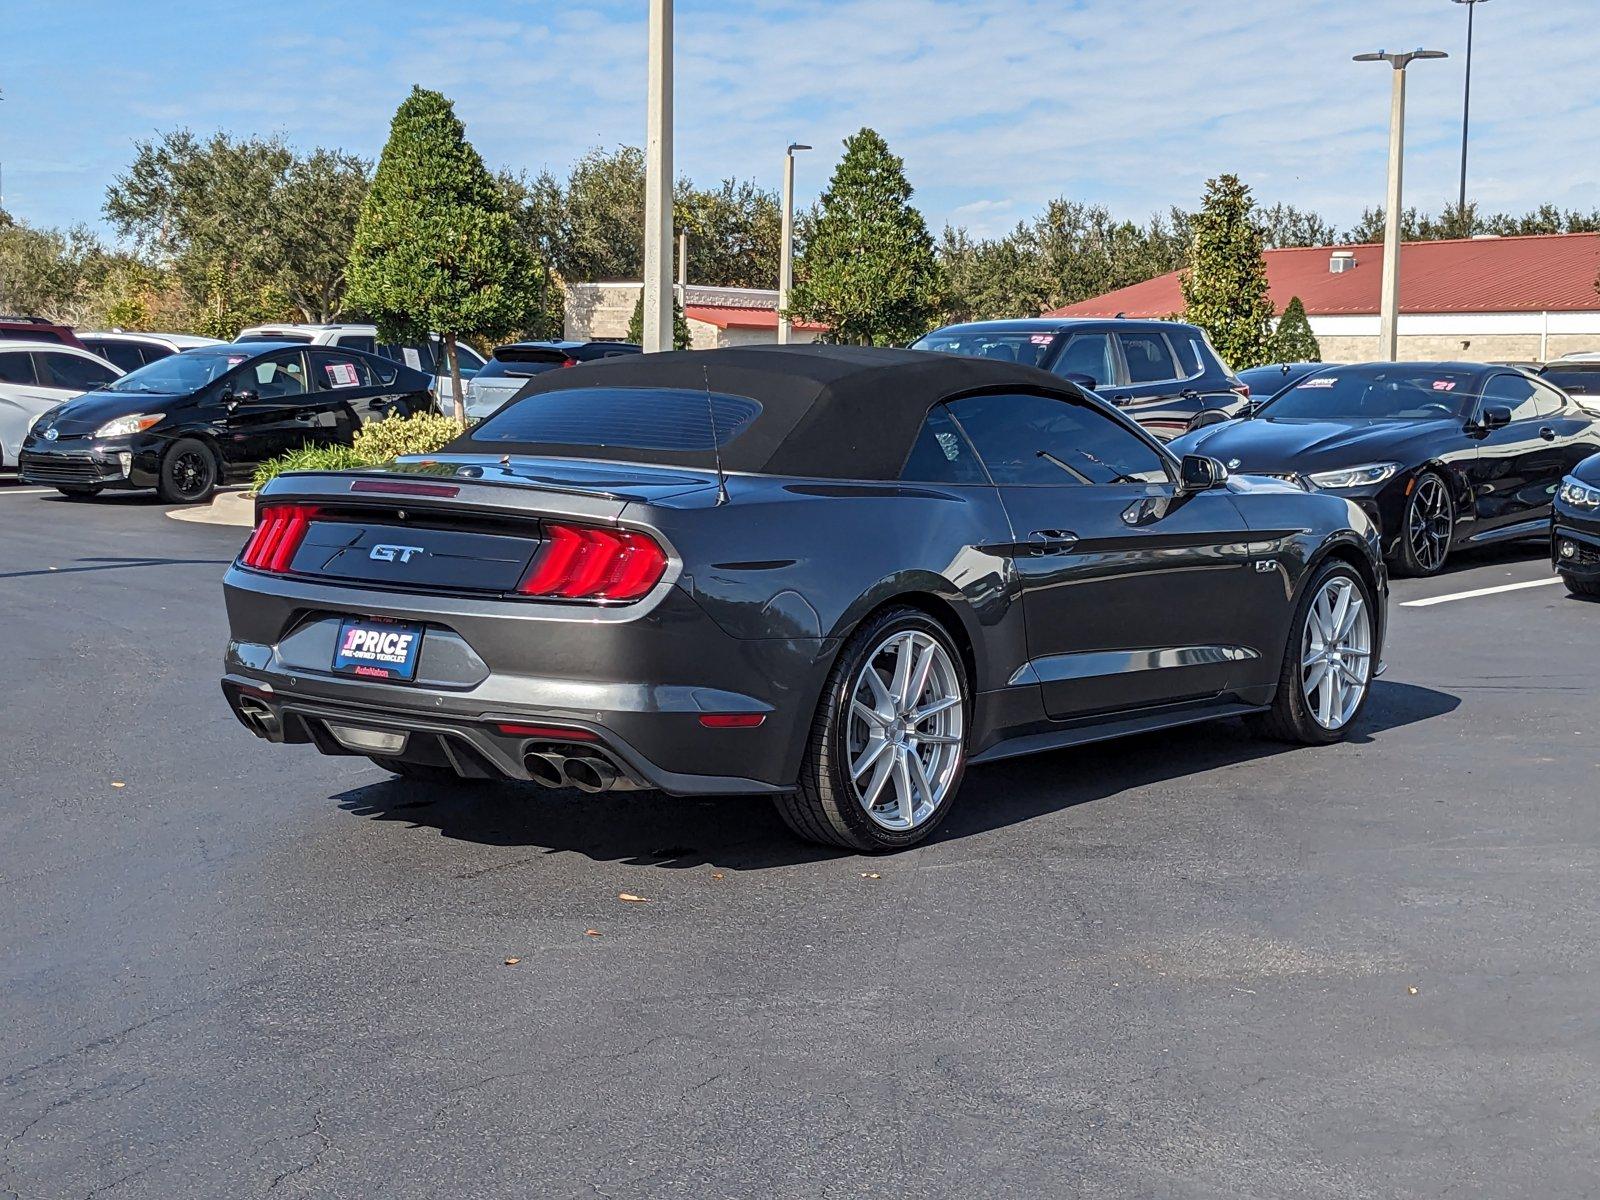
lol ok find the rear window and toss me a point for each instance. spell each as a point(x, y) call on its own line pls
point(1576, 381)
point(1028, 347)
point(299, 338)
point(665, 420)
point(520, 368)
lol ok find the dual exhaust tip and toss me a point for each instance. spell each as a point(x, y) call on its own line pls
point(587, 773)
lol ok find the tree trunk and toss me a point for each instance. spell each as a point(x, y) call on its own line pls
point(455, 379)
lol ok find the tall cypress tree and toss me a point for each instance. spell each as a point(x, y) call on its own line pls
point(682, 336)
point(868, 271)
point(1225, 285)
point(436, 248)
point(1294, 341)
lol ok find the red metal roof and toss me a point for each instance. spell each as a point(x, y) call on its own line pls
point(1541, 273)
point(728, 317)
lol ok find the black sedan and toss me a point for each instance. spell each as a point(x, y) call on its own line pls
point(1441, 455)
point(188, 422)
point(833, 575)
point(1575, 531)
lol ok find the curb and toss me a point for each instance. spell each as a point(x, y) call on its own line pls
point(226, 508)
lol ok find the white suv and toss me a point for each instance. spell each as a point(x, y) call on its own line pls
point(37, 376)
point(131, 350)
point(427, 357)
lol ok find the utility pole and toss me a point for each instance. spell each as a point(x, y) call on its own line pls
point(1466, 108)
point(658, 184)
point(786, 250)
point(1389, 304)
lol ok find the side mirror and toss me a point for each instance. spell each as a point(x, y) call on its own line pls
point(1198, 472)
point(1082, 380)
point(1495, 416)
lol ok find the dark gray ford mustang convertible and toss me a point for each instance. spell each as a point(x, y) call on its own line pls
point(829, 574)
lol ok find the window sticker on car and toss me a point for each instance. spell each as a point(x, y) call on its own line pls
point(1444, 385)
point(1041, 339)
point(1321, 381)
point(235, 359)
point(411, 357)
point(342, 375)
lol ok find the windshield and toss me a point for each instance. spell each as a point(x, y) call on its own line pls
point(1026, 346)
point(178, 374)
point(1404, 392)
point(301, 338)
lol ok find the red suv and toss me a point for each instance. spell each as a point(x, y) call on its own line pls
point(37, 329)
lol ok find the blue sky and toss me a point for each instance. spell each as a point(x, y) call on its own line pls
point(996, 105)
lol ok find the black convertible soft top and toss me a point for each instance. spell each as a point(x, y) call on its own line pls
point(837, 412)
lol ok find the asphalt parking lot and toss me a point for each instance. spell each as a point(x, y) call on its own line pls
point(1188, 965)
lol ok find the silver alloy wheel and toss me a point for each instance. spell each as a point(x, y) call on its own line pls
point(1428, 523)
point(904, 729)
point(1336, 652)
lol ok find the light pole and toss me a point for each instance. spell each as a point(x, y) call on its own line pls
point(1466, 108)
point(1389, 305)
point(786, 251)
point(658, 184)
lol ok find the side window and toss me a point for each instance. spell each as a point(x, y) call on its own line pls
point(357, 341)
point(124, 354)
point(1515, 392)
point(1547, 401)
point(469, 358)
point(70, 372)
point(1044, 441)
point(332, 372)
point(16, 367)
point(280, 377)
point(418, 358)
point(1191, 360)
point(1148, 357)
point(942, 453)
point(1088, 354)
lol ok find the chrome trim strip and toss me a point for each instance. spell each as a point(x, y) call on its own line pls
point(1090, 664)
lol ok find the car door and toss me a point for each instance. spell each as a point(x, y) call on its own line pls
point(1152, 392)
point(21, 401)
point(1089, 354)
point(1517, 467)
point(1133, 592)
point(349, 394)
point(64, 374)
point(271, 411)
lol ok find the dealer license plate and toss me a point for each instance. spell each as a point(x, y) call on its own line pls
point(377, 649)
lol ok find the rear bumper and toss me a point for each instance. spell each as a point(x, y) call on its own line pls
point(636, 684)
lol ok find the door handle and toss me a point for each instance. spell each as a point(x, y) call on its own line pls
point(1547, 433)
point(1051, 541)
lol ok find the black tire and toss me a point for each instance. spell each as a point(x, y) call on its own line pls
point(1420, 553)
point(1589, 589)
point(1290, 718)
point(78, 491)
point(826, 808)
point(421, 772)
point(188, 473)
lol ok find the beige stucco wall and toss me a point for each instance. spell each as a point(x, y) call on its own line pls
point(1480, 347)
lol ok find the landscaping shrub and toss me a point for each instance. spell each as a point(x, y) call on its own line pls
point(375, 444)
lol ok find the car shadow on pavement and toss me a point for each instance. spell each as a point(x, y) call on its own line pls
point(116, 564)
point(744, 832)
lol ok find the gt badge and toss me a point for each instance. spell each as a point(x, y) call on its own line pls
point(394, 553)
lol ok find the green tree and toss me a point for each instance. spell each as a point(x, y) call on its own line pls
point(436, 248)
point(868, 271)
point(273, 225)
point(1285, 225)
point(1293, 340)
point(1225, 284)
point(680, 324)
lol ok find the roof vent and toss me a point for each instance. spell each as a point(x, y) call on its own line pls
point(1341, 261)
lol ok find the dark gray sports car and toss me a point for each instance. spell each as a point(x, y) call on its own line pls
point(830, 574)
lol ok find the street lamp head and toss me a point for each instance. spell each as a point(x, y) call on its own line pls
point(1398, 61)
point(793, 146)
point(1469, 2)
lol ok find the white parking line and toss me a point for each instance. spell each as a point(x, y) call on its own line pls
point(1488, 591)
point(22, 491)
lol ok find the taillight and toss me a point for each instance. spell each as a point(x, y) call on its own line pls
point(569, 362)
point(1243, 389)
point(280, 528)
point(584, 562)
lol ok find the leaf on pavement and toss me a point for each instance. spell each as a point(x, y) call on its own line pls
point(511, 962)
point(630, 898)
point(591, 933)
